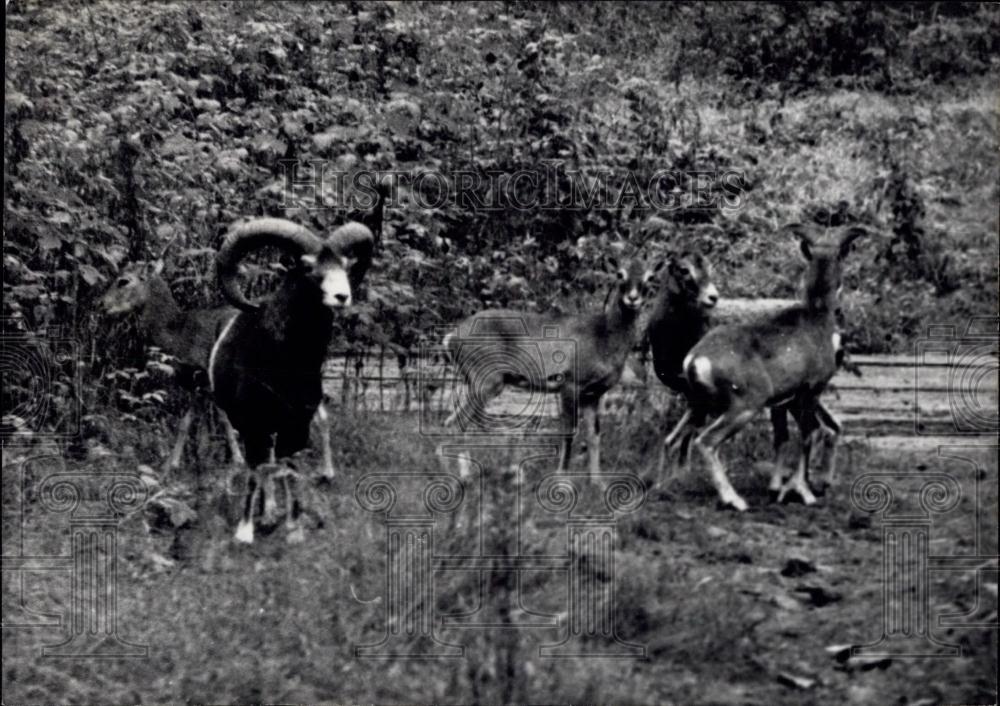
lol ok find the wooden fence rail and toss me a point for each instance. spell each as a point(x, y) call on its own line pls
point(895, 394)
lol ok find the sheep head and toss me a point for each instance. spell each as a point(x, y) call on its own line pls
point(336, 264)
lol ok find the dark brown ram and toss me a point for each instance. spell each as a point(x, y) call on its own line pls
point(265, 369)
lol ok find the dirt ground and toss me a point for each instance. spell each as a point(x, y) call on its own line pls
point(713, 607)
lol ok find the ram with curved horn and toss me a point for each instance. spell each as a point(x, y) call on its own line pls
point(265, 369)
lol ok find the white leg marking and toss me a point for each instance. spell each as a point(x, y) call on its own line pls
point(289, 485)
point(323, 422)
point(707, 445)
point(270, 497)
point(177, 453)
point(671, 439)
point(798, 481)
point(215, 352)
point(593, 442)
point(244, 532)
point(777, 476)
point(233, 439)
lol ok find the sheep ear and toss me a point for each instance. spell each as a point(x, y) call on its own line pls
point(651, 273)
point(675, 263)
point(622, 274)
point(800, 230)
point(849, 236)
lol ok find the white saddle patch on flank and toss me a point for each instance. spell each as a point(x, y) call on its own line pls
point(835, 338)
point(701, 367)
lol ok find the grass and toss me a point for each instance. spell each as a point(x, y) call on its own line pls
point(701, 589)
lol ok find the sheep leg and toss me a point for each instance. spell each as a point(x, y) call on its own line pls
point(809, 429)
point(295, 532)
point(798, 482)
point(259, 445)
point(270, 491)
point(831, 429)
point(322, 422)
point(567, 419)
point(697, 421)
point(707, 444)
point(671, 439)
point(289, 503)
point(244, 530)
point(470, 409)
point(779, 422)
point(592, 425)
point(232, 438)
point(459, 395)
point(680, 437)
point(177, 452)
point(288, 483)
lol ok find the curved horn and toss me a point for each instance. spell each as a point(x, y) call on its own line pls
point(850, 235)
point(246, 237)
point(355, 241)
point(801, 231)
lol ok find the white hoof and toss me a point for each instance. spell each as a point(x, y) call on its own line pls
point(735, 502)
point(244, 532)
point(295, 535)
point(801, 488)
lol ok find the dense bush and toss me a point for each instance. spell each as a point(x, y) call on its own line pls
point(129, 128)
